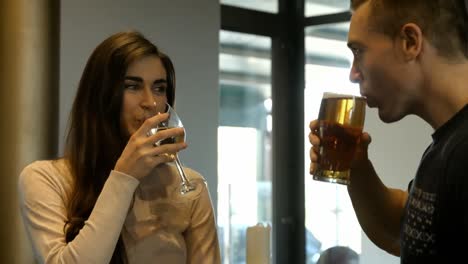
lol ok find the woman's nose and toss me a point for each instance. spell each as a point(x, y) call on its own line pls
point(147, 100)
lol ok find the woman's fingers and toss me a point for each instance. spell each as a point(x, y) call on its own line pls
point(142, 152)
point(151, 123)
point(160, 135)
point(167, 149)
point(163, 158)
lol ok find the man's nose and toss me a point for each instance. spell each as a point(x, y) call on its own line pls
point(355, 75)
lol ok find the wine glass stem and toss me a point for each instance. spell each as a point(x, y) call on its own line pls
point(185, 181)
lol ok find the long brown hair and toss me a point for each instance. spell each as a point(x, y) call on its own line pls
point(95, 140)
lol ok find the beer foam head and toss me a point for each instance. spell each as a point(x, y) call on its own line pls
point(327, 95)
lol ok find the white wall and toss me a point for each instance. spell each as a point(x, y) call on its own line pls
point(186, 30)
point(395, 152)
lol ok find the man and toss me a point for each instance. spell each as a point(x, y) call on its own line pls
point(411, 57)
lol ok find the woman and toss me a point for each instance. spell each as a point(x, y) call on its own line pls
point(111, 197)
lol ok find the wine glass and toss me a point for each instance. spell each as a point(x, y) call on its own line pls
point(187, 186)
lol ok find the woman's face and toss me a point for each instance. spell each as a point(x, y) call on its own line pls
point(144, 95)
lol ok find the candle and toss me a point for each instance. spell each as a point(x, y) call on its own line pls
point(258, 244)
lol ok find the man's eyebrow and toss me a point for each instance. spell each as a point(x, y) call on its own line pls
point(351, 44)
point(354, 44)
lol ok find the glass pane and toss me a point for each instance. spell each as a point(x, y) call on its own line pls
point(325, 45)
point(330, 218)
point(270, 6)
point(244, 140)
point(325, 7)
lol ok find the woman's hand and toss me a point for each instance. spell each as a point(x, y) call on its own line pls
point(141, 154)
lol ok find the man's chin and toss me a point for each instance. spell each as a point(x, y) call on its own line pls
point(388, 117)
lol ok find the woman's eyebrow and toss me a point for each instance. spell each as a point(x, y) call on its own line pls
point(159, 81)
point(134, 78)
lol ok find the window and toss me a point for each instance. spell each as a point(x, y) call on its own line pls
point(259, 5)
point(244, 140)
point(325, 7)
point(252, 69)
point(329, 214)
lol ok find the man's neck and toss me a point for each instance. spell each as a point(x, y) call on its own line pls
point(445, 91)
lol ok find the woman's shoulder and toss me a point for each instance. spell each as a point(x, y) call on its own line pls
point(45, 173)
point(193, 174)
point(46, 168)
point(170, 171)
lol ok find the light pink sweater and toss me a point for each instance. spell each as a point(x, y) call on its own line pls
point(157, 226)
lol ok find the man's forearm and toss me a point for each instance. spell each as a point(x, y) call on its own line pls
point(378, 208)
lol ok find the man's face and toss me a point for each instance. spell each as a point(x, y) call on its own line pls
point(383, 75)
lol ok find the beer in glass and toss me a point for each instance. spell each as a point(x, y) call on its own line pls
point(341, 119)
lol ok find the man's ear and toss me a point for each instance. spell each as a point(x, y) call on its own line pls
point(411, 41)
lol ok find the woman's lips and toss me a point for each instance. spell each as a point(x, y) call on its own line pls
point(140, 122)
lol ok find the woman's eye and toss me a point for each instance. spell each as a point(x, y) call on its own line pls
point(159, 89)
point(131, 86)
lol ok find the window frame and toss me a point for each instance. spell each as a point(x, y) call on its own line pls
point(286, 30)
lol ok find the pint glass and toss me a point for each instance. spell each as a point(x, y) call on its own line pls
point(341, 119)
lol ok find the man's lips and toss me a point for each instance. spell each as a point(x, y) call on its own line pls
point(371, 103)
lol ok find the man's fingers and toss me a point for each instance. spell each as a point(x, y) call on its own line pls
point(366, 138)
point(313, 167)
point(364, 141)
point(313, 154)
point(313, 125)
point(314, 139)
